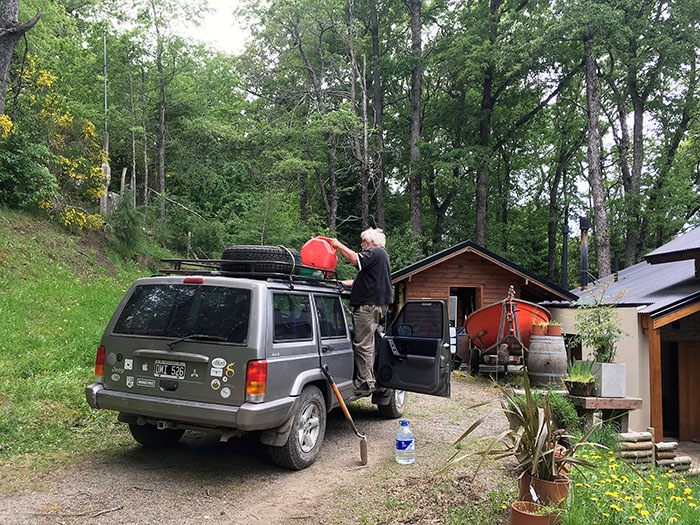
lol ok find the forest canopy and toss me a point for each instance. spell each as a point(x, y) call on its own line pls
point(498, 121)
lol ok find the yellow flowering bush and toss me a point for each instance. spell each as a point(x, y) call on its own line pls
point(75, 220)
point(78, 154)
point(6, 126)
point(615, 493)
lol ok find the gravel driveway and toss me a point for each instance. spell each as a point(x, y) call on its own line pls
point(202, 480)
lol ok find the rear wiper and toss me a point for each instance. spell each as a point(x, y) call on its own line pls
point(203, 337)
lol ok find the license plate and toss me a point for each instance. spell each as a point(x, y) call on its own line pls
point(170, 369)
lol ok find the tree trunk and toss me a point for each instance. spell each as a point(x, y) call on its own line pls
point(595, 173)
point(416, 89)
point(487, 103)
point(378, 102)
point(133, 142)
point(145, 138)
point(160, 130)
point(10, 32)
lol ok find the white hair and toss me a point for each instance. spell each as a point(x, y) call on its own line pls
point(374, 235)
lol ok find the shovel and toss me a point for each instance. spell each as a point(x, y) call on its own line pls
point(363, 438)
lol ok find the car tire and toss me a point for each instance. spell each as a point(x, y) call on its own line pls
point(261, 259)
point(150, 436)
point(396, 406)
point(308, 430)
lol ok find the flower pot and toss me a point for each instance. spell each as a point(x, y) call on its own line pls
point(576, 388)
point(539, 329)
point(548, 492)
point(554, 330)
point(611, 379)
point(521, 513)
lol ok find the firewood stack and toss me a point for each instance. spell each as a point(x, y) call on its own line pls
point(666, 458)
point(637, 448)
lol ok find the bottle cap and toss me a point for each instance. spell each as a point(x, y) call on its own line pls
point(404, 423)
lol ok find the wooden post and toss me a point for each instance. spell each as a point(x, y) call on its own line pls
point(655, 391)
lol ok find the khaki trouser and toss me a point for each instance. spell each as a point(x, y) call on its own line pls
point(365, 319)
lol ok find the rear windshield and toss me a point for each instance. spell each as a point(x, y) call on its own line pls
point(178, 310)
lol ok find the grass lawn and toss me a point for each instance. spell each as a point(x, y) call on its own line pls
point(57, 293)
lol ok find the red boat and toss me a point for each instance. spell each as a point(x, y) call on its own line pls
point(492, 324)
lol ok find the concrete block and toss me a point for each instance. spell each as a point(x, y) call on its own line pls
point(611, 379)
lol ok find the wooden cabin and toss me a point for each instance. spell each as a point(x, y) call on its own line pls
point(471, 277)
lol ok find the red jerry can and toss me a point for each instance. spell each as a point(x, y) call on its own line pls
point(317, 252)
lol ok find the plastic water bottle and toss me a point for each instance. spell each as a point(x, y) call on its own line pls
point(405, 444)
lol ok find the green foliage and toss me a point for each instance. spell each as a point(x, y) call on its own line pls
point(24, 178)
point(126, 226)
point(597, 326)
point(580, 371)
point(615, 492)
point(533, 439)
point(563, 411)
point(607, 435)
point(56, 302)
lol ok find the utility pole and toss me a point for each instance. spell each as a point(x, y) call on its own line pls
point(106, 170)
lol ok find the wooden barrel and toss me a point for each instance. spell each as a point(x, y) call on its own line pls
point(546, 360)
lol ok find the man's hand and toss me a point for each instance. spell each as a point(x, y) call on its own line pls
point(346, 252)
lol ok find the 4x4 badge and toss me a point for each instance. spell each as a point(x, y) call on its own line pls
point(218, 362)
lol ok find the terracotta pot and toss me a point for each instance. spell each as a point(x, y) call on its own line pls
point(539, 329)
point(554, 330)
point(521, 513)
point(580, 389)
point(549, 492)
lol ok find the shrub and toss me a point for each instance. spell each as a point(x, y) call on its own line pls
point(24, 178)
point(126, 225)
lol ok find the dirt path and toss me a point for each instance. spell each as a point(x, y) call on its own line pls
point(202, 480)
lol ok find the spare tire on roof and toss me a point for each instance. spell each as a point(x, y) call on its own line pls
point(261, 259)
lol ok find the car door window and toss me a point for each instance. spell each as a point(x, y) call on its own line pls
point(292, 317)
point(419, 320)
point(331, 320)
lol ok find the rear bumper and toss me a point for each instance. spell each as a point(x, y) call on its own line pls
point(249, 416)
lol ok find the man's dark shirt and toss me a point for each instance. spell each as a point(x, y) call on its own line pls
point(373, 282)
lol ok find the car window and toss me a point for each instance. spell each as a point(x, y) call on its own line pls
point(331, 321)
point(348, 312)
point(419, 320)
point(178, 310)
point(292, 317)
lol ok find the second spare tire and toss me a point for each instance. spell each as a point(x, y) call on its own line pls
point(261, 259)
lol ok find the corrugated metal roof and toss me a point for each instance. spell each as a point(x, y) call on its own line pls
point(686, 246)
point(655, 288)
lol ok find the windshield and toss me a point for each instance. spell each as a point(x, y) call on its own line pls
point(179, 310)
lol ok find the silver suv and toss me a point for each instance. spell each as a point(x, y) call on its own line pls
point(228, 349)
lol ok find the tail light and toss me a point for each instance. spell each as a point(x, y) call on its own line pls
point(100, 364)
point(256, 381)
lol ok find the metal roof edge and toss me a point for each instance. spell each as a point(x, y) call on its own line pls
point(678, 305)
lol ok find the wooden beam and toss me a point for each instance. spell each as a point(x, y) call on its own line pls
point(674, 316)
point(655, 392)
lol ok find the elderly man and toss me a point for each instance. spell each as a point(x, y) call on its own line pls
point(370, 298)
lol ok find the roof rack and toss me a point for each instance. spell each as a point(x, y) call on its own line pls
point(253, 270)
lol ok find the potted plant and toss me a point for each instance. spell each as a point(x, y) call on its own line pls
point(535, 443)
point(554, 329)
point(531, 513)
point(597, 326)
point(580, 379)
point(539, 328)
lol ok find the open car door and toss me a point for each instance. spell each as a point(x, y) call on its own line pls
point(414, 354)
